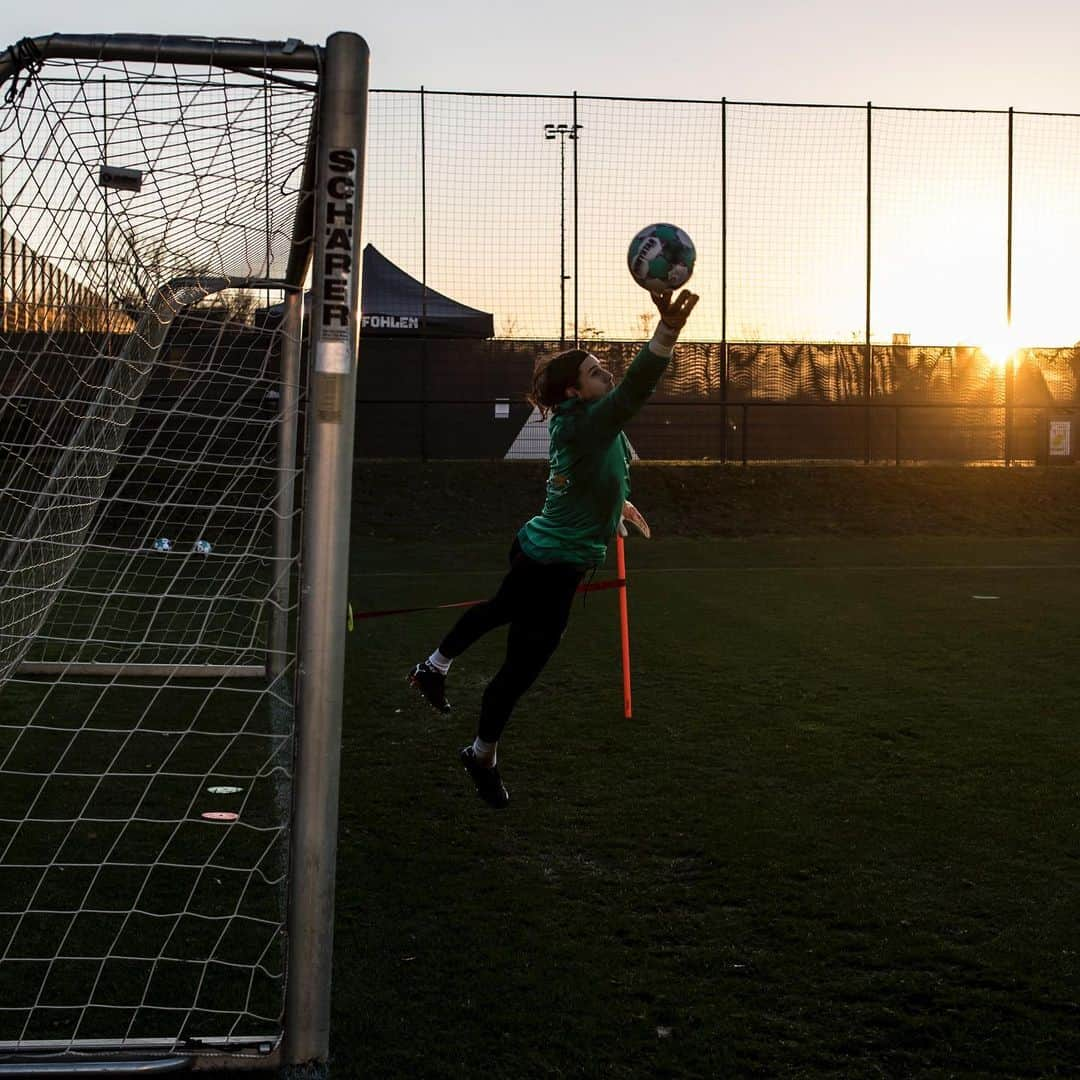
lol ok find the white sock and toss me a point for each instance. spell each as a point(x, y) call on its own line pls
point(484, 752)
point(439, 662)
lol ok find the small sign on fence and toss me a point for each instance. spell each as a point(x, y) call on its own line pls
point(1061, 438)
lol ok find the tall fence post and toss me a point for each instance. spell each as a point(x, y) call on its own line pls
point(423, 281)
point(574, 140)
point(1010, 361)
point(868, 362)
point(331, 413)
point(723, 284)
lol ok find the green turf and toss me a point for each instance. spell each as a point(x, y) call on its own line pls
point(838, 837)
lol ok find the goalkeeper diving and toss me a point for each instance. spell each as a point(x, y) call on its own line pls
point(587, 490)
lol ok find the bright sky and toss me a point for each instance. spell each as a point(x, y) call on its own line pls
point(944, 53)
point(796, 178)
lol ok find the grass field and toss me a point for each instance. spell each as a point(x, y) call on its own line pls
point(838, 837)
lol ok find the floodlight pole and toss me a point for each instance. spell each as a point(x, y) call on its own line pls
point(561, 131)
point(330, 423)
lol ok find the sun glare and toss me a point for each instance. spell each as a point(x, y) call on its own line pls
point(999, 347)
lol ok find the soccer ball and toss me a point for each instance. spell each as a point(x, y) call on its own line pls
point(202, 547)
point(163, 543)
point(661, 257)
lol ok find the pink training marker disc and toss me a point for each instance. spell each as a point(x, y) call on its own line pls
point(221, 815)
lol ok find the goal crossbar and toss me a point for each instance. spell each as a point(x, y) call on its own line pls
point(291, 55)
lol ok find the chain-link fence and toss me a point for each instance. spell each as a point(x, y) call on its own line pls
point(877, 284)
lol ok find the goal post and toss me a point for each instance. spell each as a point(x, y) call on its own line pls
point(175, 466)
point(334, 336)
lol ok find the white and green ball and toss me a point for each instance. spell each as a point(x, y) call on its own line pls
point(661, 257)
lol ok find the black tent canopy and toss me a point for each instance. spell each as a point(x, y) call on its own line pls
point(394, 304)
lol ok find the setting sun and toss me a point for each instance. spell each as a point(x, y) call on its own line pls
point(998, 347)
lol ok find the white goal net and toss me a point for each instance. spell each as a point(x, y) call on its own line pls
point(150, 214)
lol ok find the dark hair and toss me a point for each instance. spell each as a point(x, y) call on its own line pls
point(553, 376)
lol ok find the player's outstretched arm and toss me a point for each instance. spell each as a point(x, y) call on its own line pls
point(607, 417)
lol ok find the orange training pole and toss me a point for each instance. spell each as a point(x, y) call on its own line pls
point(624, 628)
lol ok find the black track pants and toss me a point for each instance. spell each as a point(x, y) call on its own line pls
point(535, 599)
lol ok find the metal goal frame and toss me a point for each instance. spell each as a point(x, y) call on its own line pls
point(329, 207)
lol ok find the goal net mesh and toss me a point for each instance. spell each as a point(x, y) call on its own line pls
point(147, 213)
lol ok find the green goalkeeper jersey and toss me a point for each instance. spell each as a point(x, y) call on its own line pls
point(589, 477)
